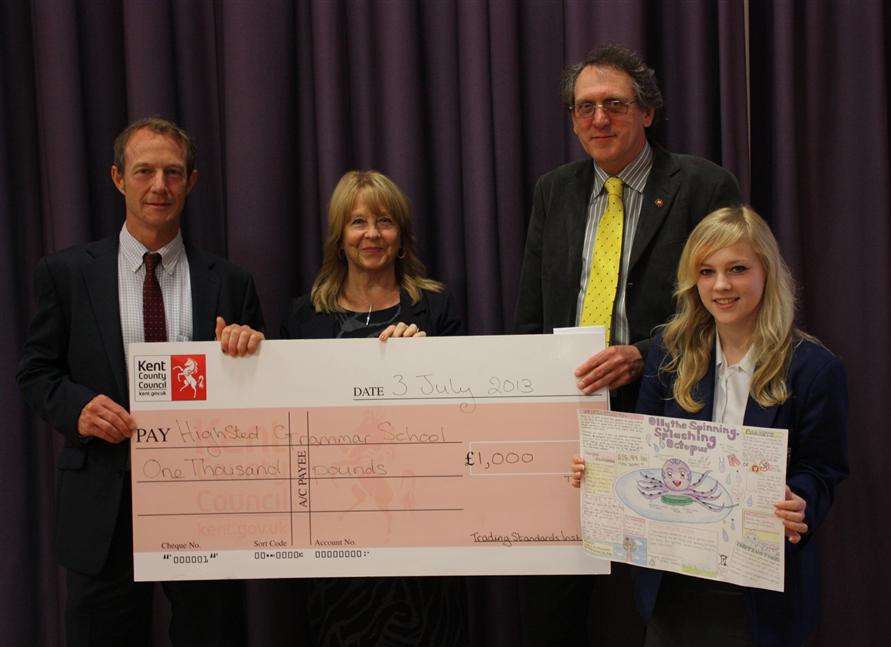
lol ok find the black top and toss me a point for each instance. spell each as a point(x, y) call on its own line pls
point(426, 611)
point(434, 313)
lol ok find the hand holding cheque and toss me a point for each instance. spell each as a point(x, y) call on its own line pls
point(237, 340)
point(609, 369)
point(104, 418)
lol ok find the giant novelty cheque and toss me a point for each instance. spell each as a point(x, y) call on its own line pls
point(437, 456)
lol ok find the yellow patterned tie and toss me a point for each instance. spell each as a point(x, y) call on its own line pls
point(597, 308)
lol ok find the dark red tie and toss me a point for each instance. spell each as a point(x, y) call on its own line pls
point(153, 301)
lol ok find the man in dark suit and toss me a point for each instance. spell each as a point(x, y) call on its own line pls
point(143, 284)
point(639, 227)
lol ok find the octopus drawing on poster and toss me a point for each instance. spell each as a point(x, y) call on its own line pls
point(664, 494)
point(689, 496)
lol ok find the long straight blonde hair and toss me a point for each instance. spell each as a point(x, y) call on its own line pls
point(689, 336)
point(381, 195)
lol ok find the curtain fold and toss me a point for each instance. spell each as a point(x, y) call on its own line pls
point(821, 165)
point(458, 101)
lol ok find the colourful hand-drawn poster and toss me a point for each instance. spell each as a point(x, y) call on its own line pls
point(688, 496)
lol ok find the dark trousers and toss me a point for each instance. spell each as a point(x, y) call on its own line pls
point(579, 610)
point(110, 609)
point(698, 613)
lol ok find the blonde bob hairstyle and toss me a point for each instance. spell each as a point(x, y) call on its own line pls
point(381, 196)
point(689, 336)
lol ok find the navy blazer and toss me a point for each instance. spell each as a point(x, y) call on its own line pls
point(816, 416)
point(74, 351)
point(433, 313)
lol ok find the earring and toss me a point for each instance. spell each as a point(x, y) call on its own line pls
point(401, 253)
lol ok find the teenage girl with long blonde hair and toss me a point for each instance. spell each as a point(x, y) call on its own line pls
point(733, 354)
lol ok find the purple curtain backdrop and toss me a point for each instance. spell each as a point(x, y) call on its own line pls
point(457, 100)
point(821, 160)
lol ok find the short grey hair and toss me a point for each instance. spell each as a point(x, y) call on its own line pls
point(618, 57)
point(162, 127)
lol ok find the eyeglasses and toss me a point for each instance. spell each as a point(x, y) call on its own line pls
point(612, 107)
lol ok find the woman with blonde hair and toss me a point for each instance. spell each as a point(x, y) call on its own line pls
point(732, 354)
point(372, 284)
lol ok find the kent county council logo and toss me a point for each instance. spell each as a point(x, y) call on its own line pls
point(188, 376)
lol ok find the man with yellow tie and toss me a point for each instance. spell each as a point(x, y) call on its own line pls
point(605, 237)
point(602, 248)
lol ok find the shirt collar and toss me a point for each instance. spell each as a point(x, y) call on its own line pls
point(746, 364)
point(634, 175)
point(132, 251)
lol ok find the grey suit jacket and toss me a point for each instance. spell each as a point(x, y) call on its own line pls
point(680, 191)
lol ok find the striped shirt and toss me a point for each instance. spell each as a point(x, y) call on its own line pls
point(634, 177)
point(173, 277)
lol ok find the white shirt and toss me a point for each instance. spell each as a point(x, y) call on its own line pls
point(732, 385)
point(173, 277)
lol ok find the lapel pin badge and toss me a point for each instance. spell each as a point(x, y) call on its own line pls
point(660, 202)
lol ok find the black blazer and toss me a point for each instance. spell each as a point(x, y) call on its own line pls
point(434, 313)
point(74, 351)
point(680, 191)
point(816, 417)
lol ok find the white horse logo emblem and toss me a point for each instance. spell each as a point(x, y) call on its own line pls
point(185, 375)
